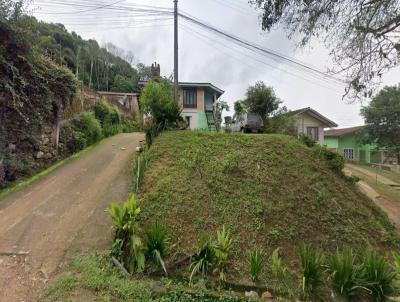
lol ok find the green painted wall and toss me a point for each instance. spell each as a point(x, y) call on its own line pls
point(332, 142)
point(362, 153)
point(202, 120)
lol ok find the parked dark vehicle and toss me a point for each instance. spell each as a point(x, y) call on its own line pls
point(248, 123)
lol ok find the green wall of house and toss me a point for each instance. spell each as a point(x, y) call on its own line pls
point(203, 120)
point(361, 153)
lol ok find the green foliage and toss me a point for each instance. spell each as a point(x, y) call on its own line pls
point(261, 99)
point(239, 108)
point(307, 140)
point(127, 246)
point(312, 268)
point(125, 218)
point(222, 249)
point(385, 106)
point(109, 117)
point(282, 279)
point(203, 260)
point(62, 289)
point(157, 244)
point(256, 262)
point(335, 160)
point(345, 274)
point(129, 125)
point(379, 276)
point(122, 84)
point(158, 102)
point(88, 126)
point(281, 123)
point(140, 167)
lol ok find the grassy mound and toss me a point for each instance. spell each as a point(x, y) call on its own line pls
point(270, 191)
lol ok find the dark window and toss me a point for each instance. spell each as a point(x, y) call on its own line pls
point(190, 98)
point(313, 133)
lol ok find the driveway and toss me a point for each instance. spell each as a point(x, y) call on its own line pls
point(62, 215)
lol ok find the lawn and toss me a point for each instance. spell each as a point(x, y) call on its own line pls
point(270, 191)
point(388, 174)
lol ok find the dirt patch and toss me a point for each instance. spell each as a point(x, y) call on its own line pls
point(62, 215)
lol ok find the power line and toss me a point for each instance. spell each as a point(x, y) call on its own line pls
point(90, 10)
point(257, 47)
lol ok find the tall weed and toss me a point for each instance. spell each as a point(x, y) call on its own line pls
point(256, 261)
point(157, 244)
point(312, 269)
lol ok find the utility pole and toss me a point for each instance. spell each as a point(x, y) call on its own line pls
point(176, 66)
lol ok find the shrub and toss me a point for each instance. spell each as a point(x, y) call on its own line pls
point(102, 111)
point(73, 140)
point(89, 126)
point(158, 102)
point(335, 160)
point(129, 125)
point(379, 276)
point(312, 270)
point(346, 277)
point(157, 244)
point(111, 129)
point(204, 258)
point(307, 140)
point(255, 260)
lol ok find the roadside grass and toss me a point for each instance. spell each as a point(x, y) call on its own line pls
point(24, 183)
point(385, 191)
point(390, 175)
point(93, 275)
point(269, 191)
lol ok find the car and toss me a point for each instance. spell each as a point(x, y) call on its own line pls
point(248, 122)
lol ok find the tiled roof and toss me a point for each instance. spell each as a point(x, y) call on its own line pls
point(343, 131)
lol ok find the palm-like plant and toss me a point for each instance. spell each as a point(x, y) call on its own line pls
point(157, 244)
point(204, 259)
point(312, 263)
point(124, 218)
point(379, 275)
point(222, 249)
point(346, 274)
point(255, 260)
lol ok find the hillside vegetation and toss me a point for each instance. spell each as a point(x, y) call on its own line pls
point(269, 190)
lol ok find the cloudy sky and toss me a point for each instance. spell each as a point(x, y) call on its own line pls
point(206, 57)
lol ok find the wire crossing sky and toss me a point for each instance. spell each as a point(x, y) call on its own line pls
point(220, 42)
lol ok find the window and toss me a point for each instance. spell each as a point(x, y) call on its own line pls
point(348, 154)
point(313, 133)
point(190, 98)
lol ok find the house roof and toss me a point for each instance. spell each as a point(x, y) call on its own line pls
point(315, 115)
point(116, 93)
point(206, 85)
point(343, 131)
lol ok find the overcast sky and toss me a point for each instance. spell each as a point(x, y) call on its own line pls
point(206, 57)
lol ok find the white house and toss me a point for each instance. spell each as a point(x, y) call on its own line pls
point(312, 123)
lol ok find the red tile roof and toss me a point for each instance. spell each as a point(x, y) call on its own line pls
point(343, 131)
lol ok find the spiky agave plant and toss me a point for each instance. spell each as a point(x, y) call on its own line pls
point(203, 260)
point(345, 274)
point(379, 275)
point(157, 244)
point(312, 268)
point(256, 260)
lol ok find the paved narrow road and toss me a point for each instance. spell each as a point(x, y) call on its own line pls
point(61, 215)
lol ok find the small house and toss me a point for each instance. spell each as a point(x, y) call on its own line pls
point(198, 104)
point(346, 142)
point(312, 123)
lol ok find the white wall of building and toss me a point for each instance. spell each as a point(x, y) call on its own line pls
point(194, 118)
point(304, 121)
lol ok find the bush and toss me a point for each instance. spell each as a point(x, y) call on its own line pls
point(129, 125)
point(335, 160)
point(102, 111)
point(88, 126)
point(307, 140)
point(312, 270)
point(158, 102)
point(203, 260)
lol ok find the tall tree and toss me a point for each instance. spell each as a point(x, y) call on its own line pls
point(261, 99)
point(363, 36)
point(382, 117)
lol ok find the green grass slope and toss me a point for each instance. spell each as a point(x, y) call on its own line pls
point(270, 191)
